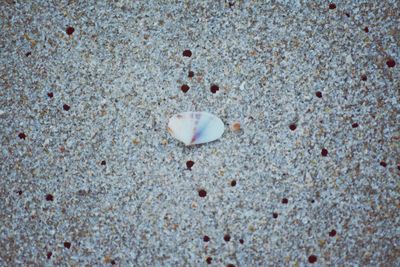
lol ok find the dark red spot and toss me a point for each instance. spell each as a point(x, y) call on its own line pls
point(189, 164)
point(187, 53)
point(49, 197)
point(285, 201)
point(390, 63)
point(214, 88)
point(209, 260)
point(67, 245)
point(324, 152)
point(292, 126)
point(49, 254)
point(233, 183)
point(70, 30)
point(332, 233)
point(28, 54)
point(366, 29)
point(227, 238)
point(202, 193)
point(383, 164)
point(113, 262)
point(318, 94)
point(241, 241)
point(50, 94)
point(185, 88)
point(354, 125)
point(66, 107)
point(206, 238)
point(275, 215)
point(230, 265)
point(398, 167)
point(312, 259)
point(191, 74)
point(19, 192)
point(332, 6)
point(22, 135)
point(103, 162)
point(363, 77)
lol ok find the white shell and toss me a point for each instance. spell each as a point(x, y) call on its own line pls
point(194, 128)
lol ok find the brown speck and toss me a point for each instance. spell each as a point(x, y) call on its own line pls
point(332, 6)
point(49, 197)
point(70, 30)
point(66, 107)
point(202, 193)
point(19, 192)
point(332, 233)
point(67, 245)
point(185, 88)
point(189, 164)
point(292, 126)
point(324, 152)
point(28, 54)
point(364, 78)
point(187, 53)
point(191, 74)
point(113, 262)
point(241, 241)
point(233, 183)
point(230, 265)
point(103, 162)
point(285, 201)
point(22, 135)
point(354, 125)
point(49, 254)
point(275, 215)
point(236, 126)
point(347, 14)
point(227, 238)
point(390, 63)
point(312, 259)
point(318, 94)
point(214, 88)
point(206, 238)
point(366, 29)
point(383, 164)
point(209, 260)
point(50, 94)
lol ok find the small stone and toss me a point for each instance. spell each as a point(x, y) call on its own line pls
point(236, 126)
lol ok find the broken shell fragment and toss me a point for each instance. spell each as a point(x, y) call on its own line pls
point(194, 128)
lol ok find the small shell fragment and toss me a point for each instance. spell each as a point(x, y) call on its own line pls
point(194, 128)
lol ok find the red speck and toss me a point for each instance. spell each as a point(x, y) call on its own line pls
point(50, 94)
point(233, 183)
point(332, 6)
point(49, 197)
point(383, 164)
point(324, 152)
point(398, 167)
point(354, 125)
point(22, 135)
point(28, 54)
point(241, 241)
point(70, 30)
point(67, 245)
point(208, 260)
point(202, 193)
point(185, 88)
point(191, 74)
point(19, 192)
point(390, 63)
point(285, 201)
point(214, 88)
point(66, 107)
point(103, 162)
point(227, 238)
point(318, 94)
point(366, 29)
point(332, 233)
point(187, 53)
point(230, 265)
point(363, 77)
point(189, 164)
point(206, 238)
point(292, 126)
point(49, 254)
point(312, 259)
point(275, 215)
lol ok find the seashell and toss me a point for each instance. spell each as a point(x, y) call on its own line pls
point(194, 128)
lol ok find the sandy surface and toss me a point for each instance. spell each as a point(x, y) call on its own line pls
point(89, 176)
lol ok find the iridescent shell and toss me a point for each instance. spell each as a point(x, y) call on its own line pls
point(194, 128)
